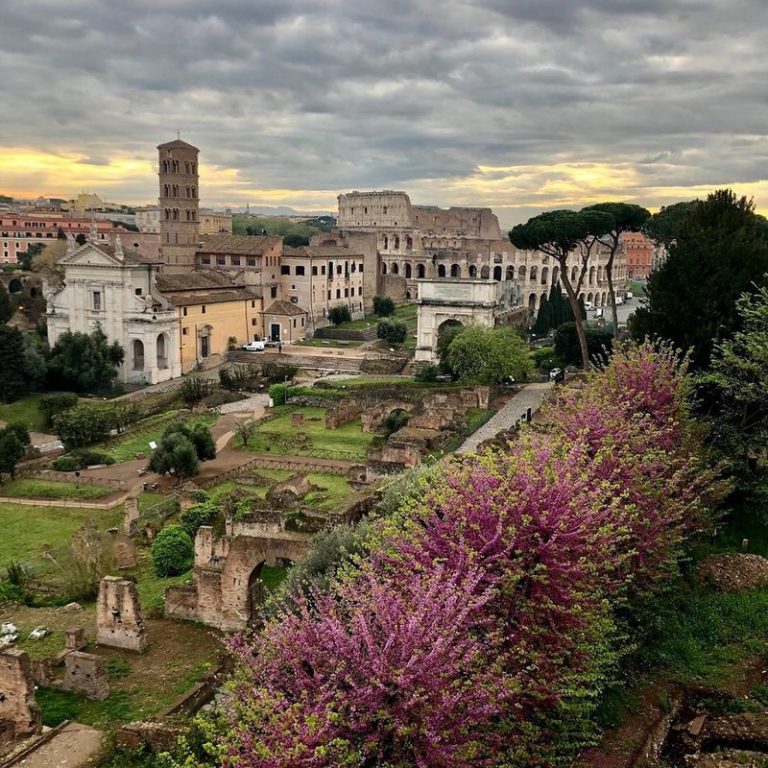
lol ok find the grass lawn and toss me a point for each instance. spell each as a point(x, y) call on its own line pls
point(405, 312)
point(43, 489)
point(27, 411)
point(125, 447)
point(27, 530)
point(637, 289)
point(280, 437)
point(327, 343)
point(336, 492)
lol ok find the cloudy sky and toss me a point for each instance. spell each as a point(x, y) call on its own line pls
point(521, 105)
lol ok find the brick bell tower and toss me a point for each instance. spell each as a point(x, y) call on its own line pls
point(179, 203)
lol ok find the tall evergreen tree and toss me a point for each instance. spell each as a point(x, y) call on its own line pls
point(543, 319)
point(719, 253)
point(12, 364)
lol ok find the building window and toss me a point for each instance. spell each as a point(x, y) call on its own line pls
point(294, 322)
point(184, 331)
point(251, 262)
point(338, 293)
point(314, 271)
point(285, 270)
point(253, 304)
point(138, 291)
point(184, 311)
point(322, 270)
point(273, 292)
point(221, 260)
point(300, 271)
point(205, 260)
point(253, 321)
point(97, 300)
point(329, 295)
point(202, 309)
point(346, 293)
point(360, 267)
point(302, 322)
point(235, 261)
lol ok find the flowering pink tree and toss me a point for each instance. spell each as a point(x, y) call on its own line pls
point(483, 620)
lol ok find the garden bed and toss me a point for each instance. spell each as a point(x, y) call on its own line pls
point(31, 488)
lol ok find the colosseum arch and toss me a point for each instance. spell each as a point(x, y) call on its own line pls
point(510, 273)
point(408, 271)
point(395, 268)
point(497, 273)
point(592, 271)
point(555, 275)
point(137, 354)
point(521, 273)
point(455, 270)
point(534, 274)
point(532, 303)
point(485, 272)
point(421, 271)
point(573, 275)
point(441, 270)
point(472, 271)
point(544, 275)
point(383, 268)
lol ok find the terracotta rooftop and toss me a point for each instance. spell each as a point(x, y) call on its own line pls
point(321, 252)
point(197, 280)
point(285, 308)
point(246, 245)
point(216, 296)
point(177, 143)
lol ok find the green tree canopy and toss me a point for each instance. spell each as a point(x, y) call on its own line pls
point(12, 364)
point(665, 225)
point(718, 254)
point(487, 355)
point(567, 349)
point(383, 306)
point(568, 237)
point(6, 305)
point(740, 375)
point(11, 452)
point(84, 362)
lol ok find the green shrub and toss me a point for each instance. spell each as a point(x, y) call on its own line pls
point(383, 306)
point(173, 552)
point(197, 516)
point(10, 593)
point(56, 403)
point(567, 343)
point(278, 392)
point(426, 373)
point(66, 464)
point(392, 331)
point(277, 373)
point(339, 314)
point(194, 388)
point(84, 424)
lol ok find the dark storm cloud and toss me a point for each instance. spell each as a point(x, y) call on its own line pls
point(339, 94)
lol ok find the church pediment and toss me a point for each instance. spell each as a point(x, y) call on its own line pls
point(90, 255)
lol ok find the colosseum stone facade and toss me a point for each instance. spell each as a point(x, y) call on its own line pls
point(425, 242)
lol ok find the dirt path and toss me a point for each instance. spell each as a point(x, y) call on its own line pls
point(72, 747)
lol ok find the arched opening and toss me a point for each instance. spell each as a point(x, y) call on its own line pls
point(396, 419)
point(421, 271)
point(472, 271)
point(510, 273)
point(408, 243)
point(589, 296)
point(485, 272)
point(162, 351)
point(521, 272)
point(441, 270)
point(137, 354)
point(395, 268)
point(386, 243)
point(408, 295)
point(408, 272)
point(555, 274)
point(573, 275)
point(544, 275)
point(15, 286)
point(605, 297)
point(534, 273)
point(455, 270)
point(263, 580)
point(446, 333)
point(383, 268)
point(396, 242)
point(497, 273)
point(599, 274)
point(532, 303)
point(591, 275)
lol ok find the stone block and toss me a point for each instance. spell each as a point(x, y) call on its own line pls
point(119, 622)
point(86, 674)
point(125, 551)
point(19, 712)
point(130, 514)
point(297, 419)
point(74, 639)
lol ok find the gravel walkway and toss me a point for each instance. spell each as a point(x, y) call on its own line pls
point(531, 396)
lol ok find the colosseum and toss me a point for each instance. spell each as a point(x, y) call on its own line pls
point(422, 241)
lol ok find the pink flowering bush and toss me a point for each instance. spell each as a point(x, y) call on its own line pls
point(481, 628)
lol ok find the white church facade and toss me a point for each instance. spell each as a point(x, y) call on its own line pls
point(107, 287)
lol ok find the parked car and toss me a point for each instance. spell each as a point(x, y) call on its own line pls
point(588, 305)
point(254, 346)
point(619, 301)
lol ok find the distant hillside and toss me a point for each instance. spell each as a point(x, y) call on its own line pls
point(295, 233)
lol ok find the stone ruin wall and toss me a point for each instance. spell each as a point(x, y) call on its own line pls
point(19, 712)
point(118, 615)
point(466, 222)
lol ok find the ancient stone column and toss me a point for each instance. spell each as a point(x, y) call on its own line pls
point(18, 708)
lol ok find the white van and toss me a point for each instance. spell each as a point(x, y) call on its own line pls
point(589, 306)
